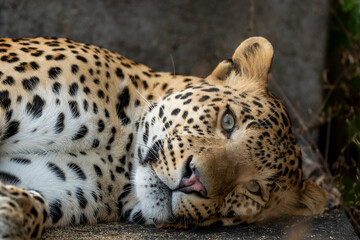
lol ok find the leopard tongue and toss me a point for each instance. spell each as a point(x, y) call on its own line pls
point(169, 225)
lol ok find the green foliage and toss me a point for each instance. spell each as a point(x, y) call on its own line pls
point(343, 107)
point(353, 23)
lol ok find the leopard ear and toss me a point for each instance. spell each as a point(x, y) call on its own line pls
point(251, 60)
point(222, 70)
point(311, 200)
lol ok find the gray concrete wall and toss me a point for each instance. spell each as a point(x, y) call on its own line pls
point(194, 34)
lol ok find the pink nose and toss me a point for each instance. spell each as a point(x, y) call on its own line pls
point(192, 183)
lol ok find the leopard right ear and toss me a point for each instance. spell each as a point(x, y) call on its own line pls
point(251, 61)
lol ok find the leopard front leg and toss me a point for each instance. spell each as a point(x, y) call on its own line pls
point(23, 214)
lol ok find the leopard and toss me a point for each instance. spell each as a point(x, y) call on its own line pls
point(89, 136)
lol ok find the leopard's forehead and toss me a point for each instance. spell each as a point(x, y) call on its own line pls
point(197, 104)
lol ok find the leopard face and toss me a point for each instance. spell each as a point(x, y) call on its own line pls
point(221, 150)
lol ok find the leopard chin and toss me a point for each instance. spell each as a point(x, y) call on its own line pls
point(153, 195)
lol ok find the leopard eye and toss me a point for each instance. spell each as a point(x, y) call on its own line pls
point(228, 122)
point(253, 187)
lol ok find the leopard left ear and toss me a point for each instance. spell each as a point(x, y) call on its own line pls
point(251, 60)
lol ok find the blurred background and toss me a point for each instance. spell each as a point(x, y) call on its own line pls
point(315, 72)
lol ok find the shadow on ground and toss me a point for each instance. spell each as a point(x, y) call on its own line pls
point(331, 225)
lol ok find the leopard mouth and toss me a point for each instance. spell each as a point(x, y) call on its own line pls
point(189, 184)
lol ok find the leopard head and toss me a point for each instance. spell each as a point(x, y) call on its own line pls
point(222, 150)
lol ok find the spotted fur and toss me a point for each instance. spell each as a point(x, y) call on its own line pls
point(89, 136)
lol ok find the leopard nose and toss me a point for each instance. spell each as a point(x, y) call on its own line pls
point(190, 182)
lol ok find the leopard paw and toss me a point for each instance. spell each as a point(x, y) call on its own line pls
point(23, 214)
point(11, 219)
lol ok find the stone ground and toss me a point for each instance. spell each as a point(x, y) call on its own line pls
point(331, 225)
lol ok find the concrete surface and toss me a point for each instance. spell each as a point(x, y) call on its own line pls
point(190, 36)
point(331, 225)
